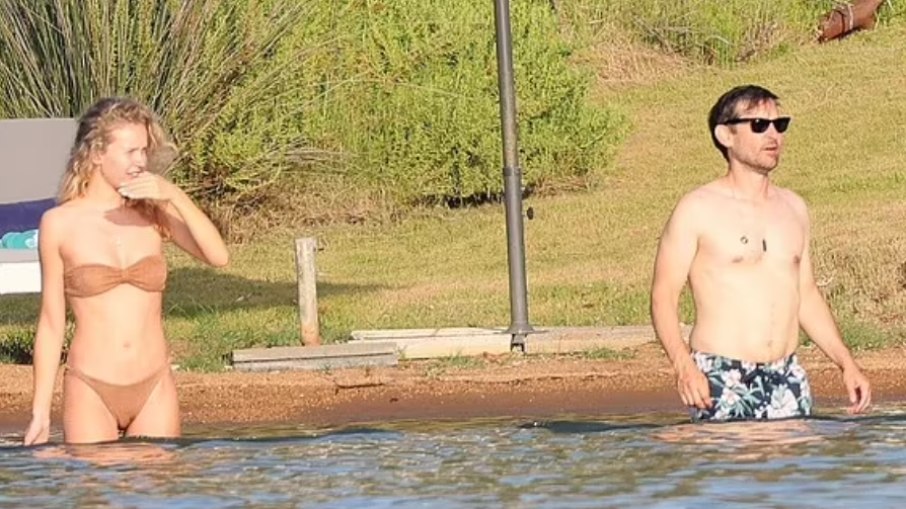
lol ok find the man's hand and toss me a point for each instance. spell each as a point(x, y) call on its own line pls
point(858, 389)
point(693, 386)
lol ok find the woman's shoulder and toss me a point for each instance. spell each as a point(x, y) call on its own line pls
point(62, 215)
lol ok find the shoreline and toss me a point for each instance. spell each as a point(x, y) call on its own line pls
point(517, 387)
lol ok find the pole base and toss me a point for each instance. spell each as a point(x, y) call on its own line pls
point(519, 332)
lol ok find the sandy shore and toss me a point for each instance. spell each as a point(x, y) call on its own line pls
point(504, 386)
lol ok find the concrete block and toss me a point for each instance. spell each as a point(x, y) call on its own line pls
point(377, 353)
point(553, 340)
point(439, 343)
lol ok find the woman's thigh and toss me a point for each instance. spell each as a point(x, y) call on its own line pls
point(86, 419)
point(160, 415)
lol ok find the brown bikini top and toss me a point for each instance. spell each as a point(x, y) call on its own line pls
point(149, 274)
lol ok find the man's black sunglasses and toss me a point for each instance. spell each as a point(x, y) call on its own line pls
point(760, 125)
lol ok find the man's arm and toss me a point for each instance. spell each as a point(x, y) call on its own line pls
point(817, 321)
point(676, 251)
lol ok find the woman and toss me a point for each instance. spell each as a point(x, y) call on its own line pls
point(101, 250)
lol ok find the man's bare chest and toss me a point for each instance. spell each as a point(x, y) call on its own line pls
point(746, 235)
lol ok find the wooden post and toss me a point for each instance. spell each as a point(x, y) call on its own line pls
point(306, 275)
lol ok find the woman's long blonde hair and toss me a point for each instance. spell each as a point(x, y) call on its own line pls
point(93, 136)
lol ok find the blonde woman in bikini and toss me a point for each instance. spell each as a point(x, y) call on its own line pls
point(101, 251)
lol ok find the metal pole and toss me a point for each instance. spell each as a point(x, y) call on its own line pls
point(512, 179)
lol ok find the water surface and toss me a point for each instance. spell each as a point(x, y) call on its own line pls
point(638, 461)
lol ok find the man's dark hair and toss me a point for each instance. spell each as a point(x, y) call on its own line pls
point(725, 107)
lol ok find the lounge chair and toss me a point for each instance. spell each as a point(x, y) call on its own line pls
point(33, 155)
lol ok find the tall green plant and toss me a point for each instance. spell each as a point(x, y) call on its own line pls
point(206, 66)
point(411, 97)
point(892, 11)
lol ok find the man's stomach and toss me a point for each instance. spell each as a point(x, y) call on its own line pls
point(745, 334)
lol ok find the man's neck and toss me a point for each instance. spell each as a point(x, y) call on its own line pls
point(748, 185)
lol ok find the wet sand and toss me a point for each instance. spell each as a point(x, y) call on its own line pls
point(503, 386)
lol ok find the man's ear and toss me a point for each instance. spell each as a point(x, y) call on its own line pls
point(724, 135)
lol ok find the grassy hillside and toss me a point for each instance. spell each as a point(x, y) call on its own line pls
point(590, 253)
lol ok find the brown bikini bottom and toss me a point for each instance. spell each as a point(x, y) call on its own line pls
point(123, 401)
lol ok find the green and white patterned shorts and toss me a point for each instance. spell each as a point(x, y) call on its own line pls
point(743, 390)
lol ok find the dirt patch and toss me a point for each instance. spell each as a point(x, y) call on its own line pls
point(502, 386)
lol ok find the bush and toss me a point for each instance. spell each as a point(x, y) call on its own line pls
point(892, 12)
point(17, 347)
point(404, 90)
point(208, 67)
point(411, 98)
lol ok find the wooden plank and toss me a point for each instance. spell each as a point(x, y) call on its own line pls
point(317, 364)
point(453, 346)
point(395, 334)
point(446, 342)
point(439, 343)
point(577, 339)
point(289, 353)
point(307, 288)
point(316, 357)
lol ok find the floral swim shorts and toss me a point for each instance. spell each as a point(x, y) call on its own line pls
point(753, 390)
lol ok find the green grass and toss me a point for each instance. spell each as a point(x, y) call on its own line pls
point(590, 254)
point(439, 367)
point(607, 354)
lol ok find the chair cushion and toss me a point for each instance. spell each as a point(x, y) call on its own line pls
point(24, 215)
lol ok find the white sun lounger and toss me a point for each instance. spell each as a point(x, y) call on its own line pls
point(33, 155)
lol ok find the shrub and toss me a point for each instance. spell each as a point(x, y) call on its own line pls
point(207, 67)
point(411, 98)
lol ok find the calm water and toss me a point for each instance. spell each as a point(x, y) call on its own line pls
point(642, 461)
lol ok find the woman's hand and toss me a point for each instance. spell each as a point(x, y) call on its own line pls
point(38, 431)
point(148, 186)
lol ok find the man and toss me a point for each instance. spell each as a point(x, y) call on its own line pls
point(743, 245)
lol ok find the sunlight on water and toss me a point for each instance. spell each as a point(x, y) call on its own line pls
point(639, 461)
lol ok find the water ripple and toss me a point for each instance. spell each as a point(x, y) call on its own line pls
point(636, 461)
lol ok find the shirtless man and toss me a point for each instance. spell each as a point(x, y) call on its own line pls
point(743, 245)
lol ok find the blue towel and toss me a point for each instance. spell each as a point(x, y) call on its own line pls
point(20, 240)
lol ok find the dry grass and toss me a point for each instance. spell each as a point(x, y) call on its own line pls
point(621, 61)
